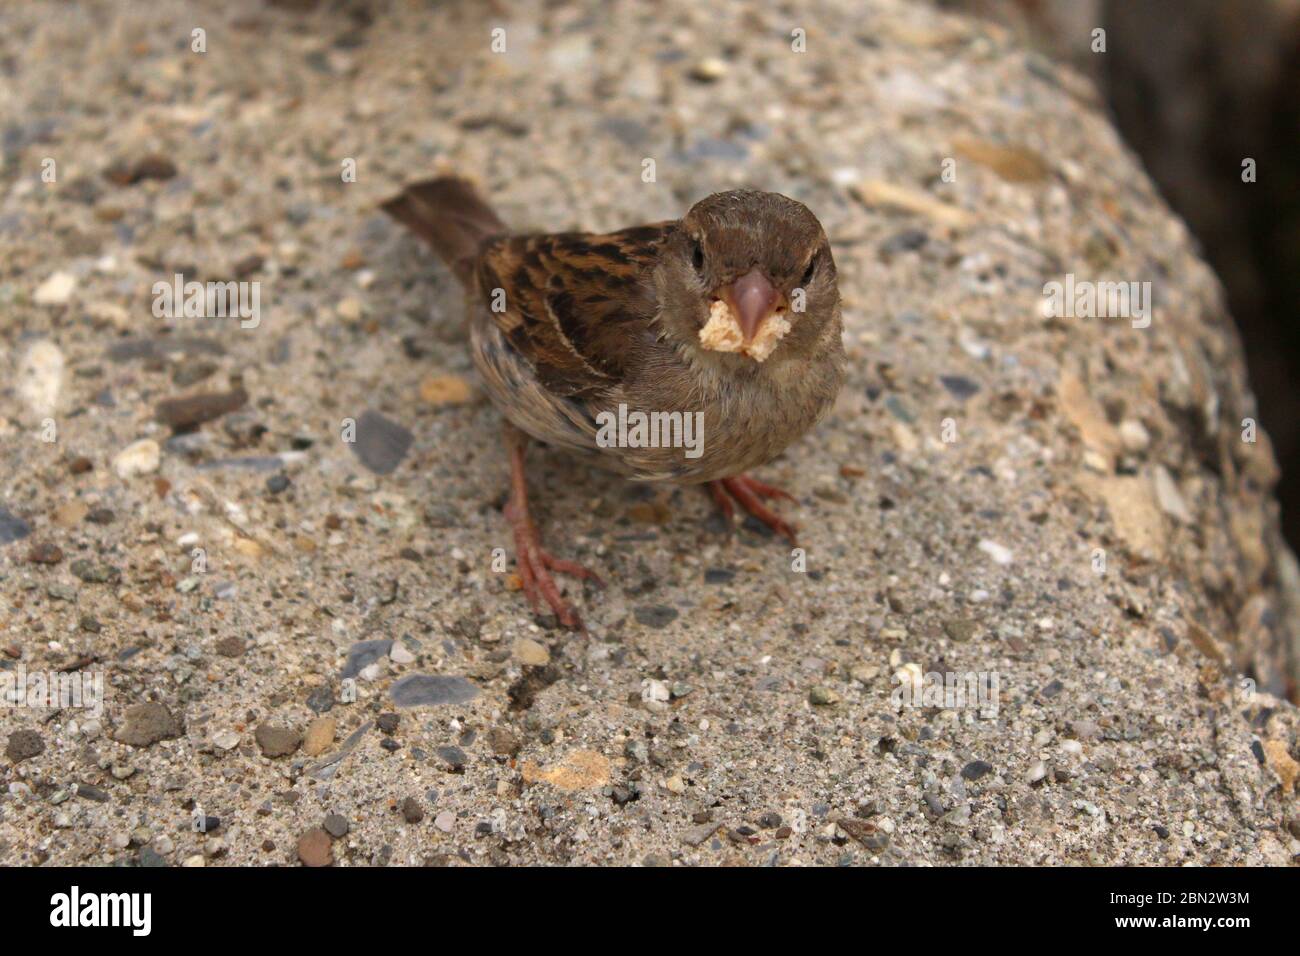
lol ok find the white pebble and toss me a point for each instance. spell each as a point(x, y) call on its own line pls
point(999, 553)
point(138, 458)
point(56, 290)
point(40, 377)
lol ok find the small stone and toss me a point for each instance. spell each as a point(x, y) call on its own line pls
point(145, 724)
point(40, 377)
point(822, 696)
point(444, 821)
point(24, 744)
point(336, 825)
point(95, 794)
point(45, 553)
point(655, 615)
point(976, 769)
point(445, 390)
point(697, 835)
point(1169, 498)
point(226, 740)
point(999, 553)
point(960, 387)
point(655, 692)
point(231, 646)
point(277, 741)
point(503, 742)
point(380, 443)
point(1134, 435)
point(55, 290)
point(453, 757)
point(93, 573)
point(12, 527)
point(864, 673)
point(412, 812)
point(959, 629)
point(709, 70)
point(149, 857)
point(416, 690)
point(152, 166)
point(399, 654)
point(277, 483)
point(320, 736)
point(315, 848)
point(139, 458)
point(190, 410)
point(531, 653)
point(387, 723)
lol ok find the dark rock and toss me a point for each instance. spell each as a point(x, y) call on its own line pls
point(45, 552)
point(128, 173)
point(417, 690)
point(336, 825)
point(191, 410)
point(503, 742)
point(12, 527)
point(24, 744)
point(960, 387)
point(412, 812)
point(86, 791)
point(381, 443)
point(655, 615)
point(976, 769)
point(454, 757)
point(149, 857)
point(93, 573)
point(277, 741)
point(145, 724)
point(387, 723)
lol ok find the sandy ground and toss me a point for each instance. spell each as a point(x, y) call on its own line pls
point(305, 649)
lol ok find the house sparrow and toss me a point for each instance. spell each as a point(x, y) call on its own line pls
point(728, 317)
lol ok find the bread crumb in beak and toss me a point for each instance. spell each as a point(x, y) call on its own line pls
point(722, 333)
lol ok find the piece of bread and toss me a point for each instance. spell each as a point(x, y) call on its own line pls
point(722, 333)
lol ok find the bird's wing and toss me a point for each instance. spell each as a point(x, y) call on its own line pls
point(576, 307)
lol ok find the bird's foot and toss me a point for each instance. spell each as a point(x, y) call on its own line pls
point(534, 562)
point(750, 492)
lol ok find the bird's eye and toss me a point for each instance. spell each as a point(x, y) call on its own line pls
point(808, 273)
point(697, 256)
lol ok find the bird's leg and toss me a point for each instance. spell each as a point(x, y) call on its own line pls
point(534, 562)
point(749, 492)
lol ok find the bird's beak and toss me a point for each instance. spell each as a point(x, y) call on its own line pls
point(752, 298)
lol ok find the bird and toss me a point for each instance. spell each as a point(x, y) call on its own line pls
point(722, 330)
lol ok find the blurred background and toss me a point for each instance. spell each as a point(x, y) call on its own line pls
point(1196, 87)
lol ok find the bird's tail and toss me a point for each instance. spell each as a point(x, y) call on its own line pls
point(449, 215)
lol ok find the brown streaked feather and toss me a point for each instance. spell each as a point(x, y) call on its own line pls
point(574, 302)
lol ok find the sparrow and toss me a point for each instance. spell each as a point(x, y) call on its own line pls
point(727, 319)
